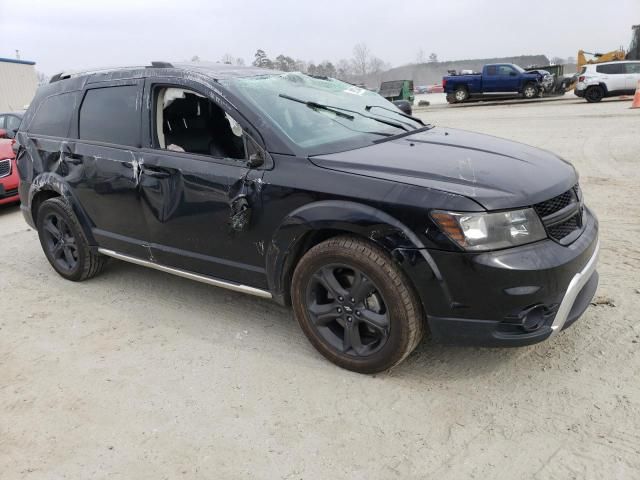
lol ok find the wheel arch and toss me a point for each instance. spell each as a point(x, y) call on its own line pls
point(49, 185)
point(311, 224)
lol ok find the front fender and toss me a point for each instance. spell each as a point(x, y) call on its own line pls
point(290, 237)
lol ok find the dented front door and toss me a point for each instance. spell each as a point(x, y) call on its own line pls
point(200, 213)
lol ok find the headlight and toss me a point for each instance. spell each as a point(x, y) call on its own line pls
point(491, 231)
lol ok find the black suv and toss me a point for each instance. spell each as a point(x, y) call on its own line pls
point(312, 192)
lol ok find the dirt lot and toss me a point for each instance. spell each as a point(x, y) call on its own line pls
point(137, 374)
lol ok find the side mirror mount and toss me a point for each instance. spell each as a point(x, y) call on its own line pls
point(3, 133)
point(255, 160)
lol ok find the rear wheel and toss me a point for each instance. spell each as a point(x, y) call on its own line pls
point(461, 94)
point(355, 305)
point(594, 94)
point(64, 243)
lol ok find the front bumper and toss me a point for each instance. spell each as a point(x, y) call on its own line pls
point(9, 187)
point(488, 299)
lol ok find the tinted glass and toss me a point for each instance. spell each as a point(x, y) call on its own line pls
point(505, 70)
point(54, 115)
point(111, 115)
point(492, 70)
point(612, 68)
point(633, 67)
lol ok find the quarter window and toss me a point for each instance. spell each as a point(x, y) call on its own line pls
point(633, 68)
point(111, 115)
point(54, 115)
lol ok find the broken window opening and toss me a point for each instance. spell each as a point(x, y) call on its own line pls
point(186, 121)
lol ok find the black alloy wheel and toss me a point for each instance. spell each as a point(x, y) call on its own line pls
point(348, 310)
point(60, 242)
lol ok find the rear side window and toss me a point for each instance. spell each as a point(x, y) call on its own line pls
point(493, 70)
point(633, 67)
point(111, 115)
point(611, 69)
point(54, 115)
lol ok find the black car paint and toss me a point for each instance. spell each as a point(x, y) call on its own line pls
point(176, 209)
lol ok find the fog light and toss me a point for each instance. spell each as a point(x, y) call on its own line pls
point(532, 318)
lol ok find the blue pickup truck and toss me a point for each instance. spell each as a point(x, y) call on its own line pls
point(495, 80)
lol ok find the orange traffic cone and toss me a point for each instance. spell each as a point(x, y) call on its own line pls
point(636, 97)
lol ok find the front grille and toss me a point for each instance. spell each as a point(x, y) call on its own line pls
point(5, 167)
point(549, 207)
point(562, 215)
point(561, 230)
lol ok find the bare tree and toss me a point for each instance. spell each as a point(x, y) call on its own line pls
point(421, 57)
point(361, 57)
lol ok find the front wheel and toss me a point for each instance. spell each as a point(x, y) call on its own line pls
point(530, 91)
point(355, 305)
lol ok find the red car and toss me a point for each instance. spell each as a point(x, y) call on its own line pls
point(8, 172)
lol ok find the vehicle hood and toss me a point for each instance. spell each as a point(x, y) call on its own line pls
point(496, 173)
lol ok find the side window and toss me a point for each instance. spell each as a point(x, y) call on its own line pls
point(54, 115)
point(2, 117)
point(633, 68)
point(492, 70)
point(12, 123)
point(611, 69)
point(505, 70)
point(185, 121)
point(111, 115)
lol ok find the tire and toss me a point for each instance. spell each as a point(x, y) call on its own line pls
point(451, 98)
point(355, 305)
point(461, 94)
point(594, 94)
point(530, 91)
point(64, 242)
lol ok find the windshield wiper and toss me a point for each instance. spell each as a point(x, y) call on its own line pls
point(318, 106)
point(339, 111)
point(402, 114)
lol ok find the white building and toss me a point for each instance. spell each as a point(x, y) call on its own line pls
point(18, 84)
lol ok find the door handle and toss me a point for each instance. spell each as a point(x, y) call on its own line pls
point(73, 158)
point(149, 172)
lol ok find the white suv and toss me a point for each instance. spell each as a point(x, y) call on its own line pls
point(608, 80)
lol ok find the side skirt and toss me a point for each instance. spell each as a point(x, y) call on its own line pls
point(191, 276)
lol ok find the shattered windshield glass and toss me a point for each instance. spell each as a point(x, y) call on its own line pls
point(321, 114)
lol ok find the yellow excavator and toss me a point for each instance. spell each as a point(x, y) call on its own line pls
point(620, 54)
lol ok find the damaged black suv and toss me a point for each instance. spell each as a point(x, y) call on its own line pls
point(376, 227)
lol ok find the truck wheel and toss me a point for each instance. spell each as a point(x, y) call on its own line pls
point(64, 243)
point(530, 91)
point(451, 98)
point(461, 94)
point(355, 305)
point(594, 94)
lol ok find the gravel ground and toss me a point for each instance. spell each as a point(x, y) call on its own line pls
point(138, 374)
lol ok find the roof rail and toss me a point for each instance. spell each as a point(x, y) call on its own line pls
point(64, 75)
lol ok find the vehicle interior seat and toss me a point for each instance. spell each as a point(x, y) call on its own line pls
point(199, 126)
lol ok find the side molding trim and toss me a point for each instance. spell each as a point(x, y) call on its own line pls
point(191, 276)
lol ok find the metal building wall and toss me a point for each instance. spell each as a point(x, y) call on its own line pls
point(18, 84)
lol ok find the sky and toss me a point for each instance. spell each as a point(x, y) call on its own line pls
point(79, 34)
